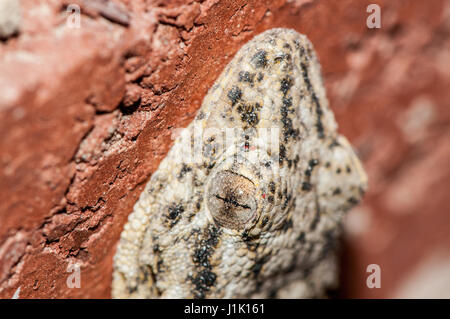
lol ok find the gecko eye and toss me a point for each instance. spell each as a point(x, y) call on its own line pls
point(231, 200)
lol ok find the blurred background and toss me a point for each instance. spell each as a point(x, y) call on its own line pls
point(394, 103)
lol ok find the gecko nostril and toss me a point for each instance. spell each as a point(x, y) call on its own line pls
point(231, 200)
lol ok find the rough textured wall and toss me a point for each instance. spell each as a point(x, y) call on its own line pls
point(86, 116)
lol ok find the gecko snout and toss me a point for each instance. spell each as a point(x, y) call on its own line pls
point(342, 181)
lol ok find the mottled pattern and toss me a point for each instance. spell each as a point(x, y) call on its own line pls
point(225, 224)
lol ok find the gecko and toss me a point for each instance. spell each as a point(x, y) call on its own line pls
point(250, 200)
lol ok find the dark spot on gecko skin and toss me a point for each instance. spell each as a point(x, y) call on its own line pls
point(317, 216)
point(272, 187)
point(201, 256)
point(132, 290)
point(286, 84)
point(196, 181)
point(265, 221)
point(338, 170)
point(296, 160)
point(353, 201)
point(249, 113)
point(259, 263)
point(174, 214)
point(200, 116)
point(329, 244)
point(301, 237)
point(159, 266)
point(337, 191)
point(287, 46)
point(289, 163)
point(348, 169)
point(319, 112)
point(205, 278)
point(287, 225)
point(260, 77)
point(287, 198)
point(306, 185)
point(311, 164)
point(315, 221)
point(250, 241)
point(208, 166)
point(286, 106)
point(301, 50)
point(270, 199)
point(235, 94)
point(327, 164)
point(184, 169)
point(260, 59)
point(304, 53)
point(282, 156)
point(334, 144)
point(245, 76)
point(286, 109)
point(273, 293)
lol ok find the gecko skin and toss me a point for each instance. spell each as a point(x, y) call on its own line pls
point(213, 221)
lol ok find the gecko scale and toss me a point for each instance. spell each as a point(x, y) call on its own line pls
point(249, 201)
